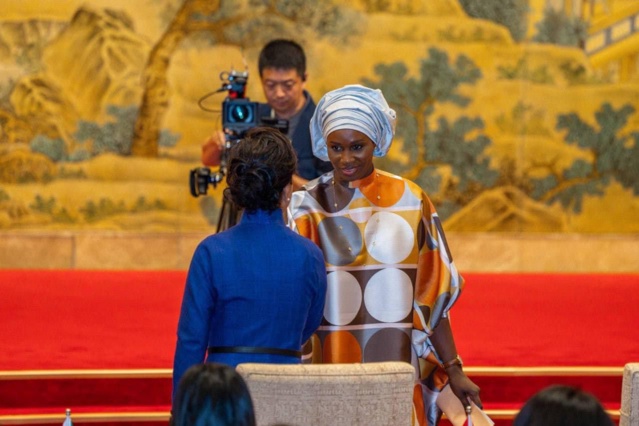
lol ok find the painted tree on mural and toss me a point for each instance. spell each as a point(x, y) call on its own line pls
point(558, 28)
point(510, 13)
point(457, 146)
point(615, 155)
point(243, 23)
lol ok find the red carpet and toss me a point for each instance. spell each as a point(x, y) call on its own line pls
point(55, 320)
point(548, 320)
point(88, 319)
point(106, 320)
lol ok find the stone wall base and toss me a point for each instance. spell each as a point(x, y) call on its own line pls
point(472, 252)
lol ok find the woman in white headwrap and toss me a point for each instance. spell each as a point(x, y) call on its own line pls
point(391, 278)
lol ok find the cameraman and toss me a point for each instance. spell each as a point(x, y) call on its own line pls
point(282, 67)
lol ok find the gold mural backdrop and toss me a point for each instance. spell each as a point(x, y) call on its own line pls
point(515, 116)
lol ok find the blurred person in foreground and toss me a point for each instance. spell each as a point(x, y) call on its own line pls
point(391, 276)
point(561, 405)
point(212, 395)
point(254, 292)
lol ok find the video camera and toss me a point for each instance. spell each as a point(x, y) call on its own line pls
point(239, 115)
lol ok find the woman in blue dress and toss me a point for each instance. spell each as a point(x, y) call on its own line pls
point(254, 292)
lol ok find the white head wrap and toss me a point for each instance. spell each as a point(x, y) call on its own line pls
point(353, 107)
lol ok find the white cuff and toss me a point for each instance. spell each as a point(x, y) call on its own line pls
point(421, 344)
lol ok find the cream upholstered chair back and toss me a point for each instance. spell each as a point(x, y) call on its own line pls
point(371, 394)
point(629, 413)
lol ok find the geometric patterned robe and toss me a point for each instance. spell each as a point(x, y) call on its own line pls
point(390, 274)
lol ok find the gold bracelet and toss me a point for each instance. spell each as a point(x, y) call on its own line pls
point(455, 361)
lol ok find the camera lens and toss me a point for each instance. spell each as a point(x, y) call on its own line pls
point(241, 114)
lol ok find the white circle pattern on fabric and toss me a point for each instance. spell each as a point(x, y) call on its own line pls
point(343, 298)
point(388, 238)
point(360, 215)
point(389, 295)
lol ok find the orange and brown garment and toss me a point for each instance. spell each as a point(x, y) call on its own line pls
point(391, 277)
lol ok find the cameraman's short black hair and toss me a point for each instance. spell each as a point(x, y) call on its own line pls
point(259, 167)
point(282, 54)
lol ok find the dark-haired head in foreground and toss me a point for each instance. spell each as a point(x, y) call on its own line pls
point(260, 170)
point(560, 405)
point(212, 394)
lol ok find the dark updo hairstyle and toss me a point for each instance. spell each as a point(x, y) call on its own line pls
point(259, 167)
point(561, 405)
point(212, 394)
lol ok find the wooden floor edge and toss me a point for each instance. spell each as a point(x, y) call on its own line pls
point(142, 373)
point(164, 416)
point(510, 414)
point(167, 372)
point(25, 419)
point(545, 371)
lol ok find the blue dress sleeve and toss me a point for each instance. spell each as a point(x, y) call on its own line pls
point(318, 271)
point(195, 315)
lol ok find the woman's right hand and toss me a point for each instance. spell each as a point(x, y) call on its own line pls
point(463, 387)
